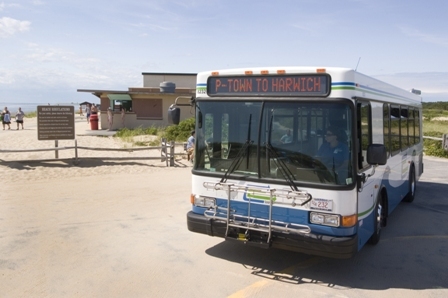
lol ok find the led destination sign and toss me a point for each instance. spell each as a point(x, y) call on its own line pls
point(279, 85)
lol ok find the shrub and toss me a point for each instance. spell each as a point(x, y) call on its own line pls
point(180, 132)
point(434, 147)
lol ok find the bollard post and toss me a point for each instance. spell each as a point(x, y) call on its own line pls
point(56, 151)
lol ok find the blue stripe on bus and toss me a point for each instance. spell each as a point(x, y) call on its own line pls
point(343, 84)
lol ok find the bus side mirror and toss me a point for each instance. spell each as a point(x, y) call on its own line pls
point(173, 115)
point(376, 154)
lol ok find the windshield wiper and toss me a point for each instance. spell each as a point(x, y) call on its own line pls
point(278, 161)
point(287, 174)
point(241, 154)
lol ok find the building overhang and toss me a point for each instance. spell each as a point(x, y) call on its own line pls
point(135, 91)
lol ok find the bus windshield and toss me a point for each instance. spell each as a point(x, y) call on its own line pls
point(304, 142)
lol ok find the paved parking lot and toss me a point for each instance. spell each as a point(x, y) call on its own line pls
point(127, 237)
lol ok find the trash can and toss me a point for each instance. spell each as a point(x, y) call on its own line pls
point(94, 121)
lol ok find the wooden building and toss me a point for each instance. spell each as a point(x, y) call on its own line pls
point(148, 105)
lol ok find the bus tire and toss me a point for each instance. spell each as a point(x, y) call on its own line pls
point(410, 196)
point(379, 219)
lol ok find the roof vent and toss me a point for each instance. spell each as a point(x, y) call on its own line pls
point(415, 91)
point(167, 87)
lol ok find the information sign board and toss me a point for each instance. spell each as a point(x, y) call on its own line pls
point(55, 123)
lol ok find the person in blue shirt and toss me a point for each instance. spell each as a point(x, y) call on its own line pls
point(190, 146)
point(287, 137)
point(334, 153)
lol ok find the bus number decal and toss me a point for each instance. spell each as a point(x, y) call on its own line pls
point(321, 204)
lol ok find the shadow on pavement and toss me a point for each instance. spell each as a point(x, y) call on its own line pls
point(90, 163)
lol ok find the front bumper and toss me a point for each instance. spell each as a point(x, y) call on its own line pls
point(312, 244)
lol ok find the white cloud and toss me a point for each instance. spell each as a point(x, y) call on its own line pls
point(50, 68)
point(425, 37)
point(6, 78)
point(432, 84)
point(9, 26)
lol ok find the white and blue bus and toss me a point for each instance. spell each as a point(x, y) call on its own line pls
point(307, 159)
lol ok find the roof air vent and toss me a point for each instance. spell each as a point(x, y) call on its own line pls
point(167, 87)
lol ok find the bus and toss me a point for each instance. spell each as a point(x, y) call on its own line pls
point(308, 159)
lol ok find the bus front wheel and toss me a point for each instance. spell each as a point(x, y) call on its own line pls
point(412, 186)
point(379, 219)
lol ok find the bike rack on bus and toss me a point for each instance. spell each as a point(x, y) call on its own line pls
point(250, 223)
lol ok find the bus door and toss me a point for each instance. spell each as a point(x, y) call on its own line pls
point(366, 194)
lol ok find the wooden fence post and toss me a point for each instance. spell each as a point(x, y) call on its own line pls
point(445, 142)
point(172, 144)
point(76, 152)
point(163, 150)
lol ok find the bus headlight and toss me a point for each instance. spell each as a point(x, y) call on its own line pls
point(206, 202)
point(325, 219)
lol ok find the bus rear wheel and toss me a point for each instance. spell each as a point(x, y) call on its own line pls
point(379, 219)
point(412, 186)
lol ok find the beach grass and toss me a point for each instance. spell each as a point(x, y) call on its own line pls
point(438, 126)
point(435, 129)
point(31, 114)
point(128, 135)
point(430, 114)
point(179, 133)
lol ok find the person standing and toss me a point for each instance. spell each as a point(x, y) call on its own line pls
point(110, 118)
point(80, 111)
point(6, 118)
point(123, 115)
point(19, 117)
point(190, 146)
point(94, 109)
point(88, 113)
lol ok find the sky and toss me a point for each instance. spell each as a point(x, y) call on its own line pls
point(51, 48)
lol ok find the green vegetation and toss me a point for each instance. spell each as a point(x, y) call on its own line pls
point(430, 114)
point(434, 147)
point(439, 105)
point(437, 126)
point(179, 133)
point(434, 126)
point(127, 135)
point(31, 114)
